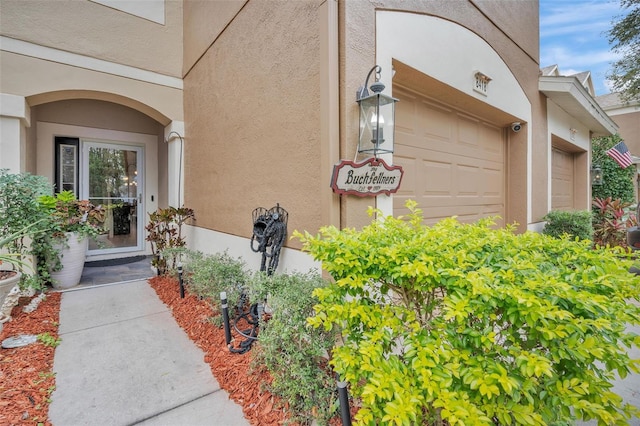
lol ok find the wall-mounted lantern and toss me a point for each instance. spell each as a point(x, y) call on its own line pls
point(596, 175)
point(377, 117)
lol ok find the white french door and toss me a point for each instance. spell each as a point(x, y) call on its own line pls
point(111, 176)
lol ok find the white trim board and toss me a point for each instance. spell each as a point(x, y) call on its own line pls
point(73, 59)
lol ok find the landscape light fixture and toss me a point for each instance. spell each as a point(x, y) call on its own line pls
point(596, 175)
point(377, 117)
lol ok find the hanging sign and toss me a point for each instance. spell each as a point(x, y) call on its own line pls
point(369, 178)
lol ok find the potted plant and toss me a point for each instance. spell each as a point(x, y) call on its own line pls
point(73, 222)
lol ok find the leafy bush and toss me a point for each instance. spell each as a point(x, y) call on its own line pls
point(472, 325)
point(164, 231)
point(209, 275)
point(20, 211)
point(293, 352)
point(573, 223)
point(618, 182)
point(610, 222)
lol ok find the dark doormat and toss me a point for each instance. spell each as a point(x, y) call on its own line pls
point(114, 262)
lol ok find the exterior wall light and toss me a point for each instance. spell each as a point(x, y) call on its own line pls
point(377, 117)
point(596, 175)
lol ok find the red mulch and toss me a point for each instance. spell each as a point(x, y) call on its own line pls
point(26, 373)
point(232, 371)
point(244, 385)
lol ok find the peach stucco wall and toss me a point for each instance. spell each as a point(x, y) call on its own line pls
point(516, 42)
point(204, 21)
point(253, 119)
point(630, 130)
point(97, 31)
point(252, 88)
point(99, 114)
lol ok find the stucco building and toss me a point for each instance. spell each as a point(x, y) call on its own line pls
point(228, 106)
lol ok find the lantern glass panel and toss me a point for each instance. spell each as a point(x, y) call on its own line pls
point(596, 175)
point(377, 116)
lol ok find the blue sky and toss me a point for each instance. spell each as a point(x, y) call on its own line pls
point(572, 35)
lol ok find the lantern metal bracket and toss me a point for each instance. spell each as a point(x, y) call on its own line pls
point(376, 86)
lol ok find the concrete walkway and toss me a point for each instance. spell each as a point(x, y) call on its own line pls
point(124, 360)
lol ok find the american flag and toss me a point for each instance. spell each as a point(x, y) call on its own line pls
point(620, 153)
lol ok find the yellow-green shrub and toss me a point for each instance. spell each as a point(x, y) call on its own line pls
point(475, 325)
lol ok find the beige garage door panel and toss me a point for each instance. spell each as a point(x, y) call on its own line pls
point(453, 163)
point(562, 181)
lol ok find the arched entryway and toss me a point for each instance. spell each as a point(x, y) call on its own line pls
point(109, 153)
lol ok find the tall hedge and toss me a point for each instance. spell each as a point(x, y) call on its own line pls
point(617, 182)
point(473, 325)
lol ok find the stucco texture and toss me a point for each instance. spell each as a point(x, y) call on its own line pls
point(99, 114)
point(510, 28)
point(630, 130)
point(253, 123)
point(97, 31)
point(204, 21)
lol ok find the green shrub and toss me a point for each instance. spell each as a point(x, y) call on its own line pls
point(20, 210)
point(291, 350)
point(209, 275)
point(474, 325)
point(575, 224)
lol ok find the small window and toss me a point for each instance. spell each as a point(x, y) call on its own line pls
point(66, 166)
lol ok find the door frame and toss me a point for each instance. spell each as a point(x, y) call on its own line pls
point(85, 145)
point(46, 133)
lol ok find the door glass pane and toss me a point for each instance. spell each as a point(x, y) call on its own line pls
point(67, 169)
point(113, 183)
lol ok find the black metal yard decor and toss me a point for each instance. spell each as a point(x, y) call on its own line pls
point(247, 316)
point(269, 233)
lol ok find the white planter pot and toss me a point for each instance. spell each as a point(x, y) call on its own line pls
point(72, 258)
point(7, 285)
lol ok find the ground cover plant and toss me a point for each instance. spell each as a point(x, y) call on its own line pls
point(208, 275)
point(281, 380)
point(288, 351)
point(232, 371)
point(468, 324)
point(294, 353)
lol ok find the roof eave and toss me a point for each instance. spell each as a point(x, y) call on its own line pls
point(571, 96)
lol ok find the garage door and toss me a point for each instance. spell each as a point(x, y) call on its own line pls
point(454, 163)
point(562, 180)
